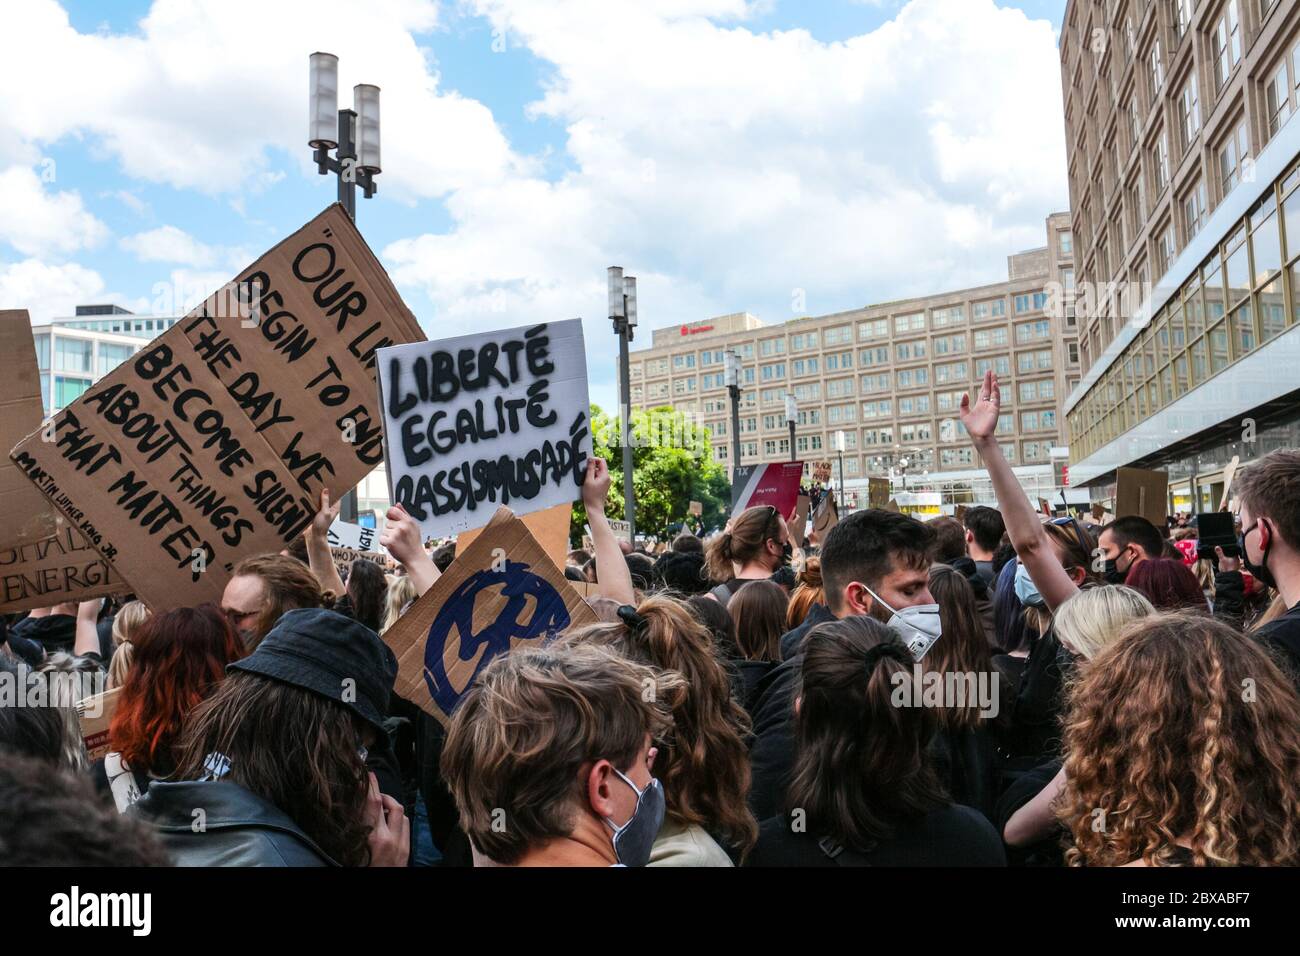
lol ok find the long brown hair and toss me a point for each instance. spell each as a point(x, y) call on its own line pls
point(861, 763)
point(703, 762)
point(964, 648)
point(759, 610)
point(294, 749)
point(1182, 729)
point(743, 541)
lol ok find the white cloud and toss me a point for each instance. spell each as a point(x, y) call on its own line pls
point(169, 244)
point(48, 291)
point(205, 94)
point(742, 166)
point(37, 222)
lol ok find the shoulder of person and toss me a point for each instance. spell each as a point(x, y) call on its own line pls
point(976, 834)
point(682, 845)
point(779, 845)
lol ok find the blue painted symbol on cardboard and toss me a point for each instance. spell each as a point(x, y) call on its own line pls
point(548, 618)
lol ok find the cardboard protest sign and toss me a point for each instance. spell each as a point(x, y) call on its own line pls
point(215, 441)
point(696, 508)
point(53, 570)
point(25, 515)
point(1229, 473)
point(345, 556)
point(776, 485)
point(799, 523)
point(821, 471)
point(549, 527)
point(501, 593)
point(877, 492)
point(1044, 507)
point(94, 715)
point(621, 529)
point(960, 512)
point(826, 517)
point(344, 534)
point(482, 420)
point(1142, 492)
point(892, 505)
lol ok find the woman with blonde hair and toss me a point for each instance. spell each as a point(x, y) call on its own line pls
point(1095, 617)
point(125, 627)
point(401, 593)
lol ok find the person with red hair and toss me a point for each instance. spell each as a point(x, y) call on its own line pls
point(180, 658)
point(1168, 584)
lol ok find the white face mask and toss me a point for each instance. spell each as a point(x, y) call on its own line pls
point(918, 626)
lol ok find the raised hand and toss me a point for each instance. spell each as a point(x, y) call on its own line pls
point(595, 486)
point(981, 419)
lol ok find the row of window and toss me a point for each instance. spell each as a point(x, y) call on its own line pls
point(1242, 296)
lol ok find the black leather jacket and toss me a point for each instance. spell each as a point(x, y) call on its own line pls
point(236, 827)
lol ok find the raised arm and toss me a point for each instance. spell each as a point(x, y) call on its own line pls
point(1036, 820)
point(402, 537)
point(613, 578)
point(319, 558)
point(1027, 535)
point(87, 640)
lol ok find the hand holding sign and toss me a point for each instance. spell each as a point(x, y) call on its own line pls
point(595, 486)
point(404, 542)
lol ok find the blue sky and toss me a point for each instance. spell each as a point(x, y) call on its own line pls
point(732, 154)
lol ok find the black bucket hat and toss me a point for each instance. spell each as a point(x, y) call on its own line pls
point(330, 655)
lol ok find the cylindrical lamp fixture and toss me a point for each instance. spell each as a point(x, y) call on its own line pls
point(616, 291)
point(791, 410)
point(365, 100)
point(629, 293)
point(323, 101)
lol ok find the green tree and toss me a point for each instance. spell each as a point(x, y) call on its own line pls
point(672, 465)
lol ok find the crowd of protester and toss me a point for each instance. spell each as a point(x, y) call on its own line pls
point(1003, 688)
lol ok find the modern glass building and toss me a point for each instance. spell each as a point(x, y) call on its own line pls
point(73, 353)
point(890, 377)
point(1184, 163)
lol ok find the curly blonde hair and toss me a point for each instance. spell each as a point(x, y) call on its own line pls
point(1182, 731)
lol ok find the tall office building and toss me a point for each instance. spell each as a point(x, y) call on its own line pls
point(1183, 173)
point(889, 376)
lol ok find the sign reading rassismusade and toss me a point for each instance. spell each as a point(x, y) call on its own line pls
point(216, 439)
point(479, 421)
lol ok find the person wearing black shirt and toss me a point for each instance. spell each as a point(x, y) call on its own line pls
point(873, 562)
point(864, 791)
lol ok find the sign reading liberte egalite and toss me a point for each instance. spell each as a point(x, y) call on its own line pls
point(479, 421)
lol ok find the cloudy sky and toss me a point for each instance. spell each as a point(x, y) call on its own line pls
point(733, 155)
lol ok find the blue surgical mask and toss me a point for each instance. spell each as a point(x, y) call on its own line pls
point(918, 626)
point(634, 839)
point(1026, 590)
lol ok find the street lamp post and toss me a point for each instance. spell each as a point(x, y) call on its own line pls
point(791, 416)
point(353, 135)
point(732, 371)
point(839, 447)
point(622, 312)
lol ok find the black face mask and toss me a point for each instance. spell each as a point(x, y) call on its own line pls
point(1260, 570)
point(1113, 574)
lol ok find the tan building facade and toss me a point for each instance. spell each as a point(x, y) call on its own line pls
point(1182, 152)
point(889, 376)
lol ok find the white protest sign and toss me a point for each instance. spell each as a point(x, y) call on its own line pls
point(479, 421)
point(344, 534)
